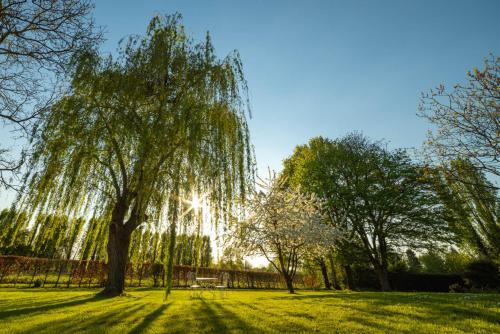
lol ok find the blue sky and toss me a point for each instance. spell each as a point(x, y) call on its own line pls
point(329, 67)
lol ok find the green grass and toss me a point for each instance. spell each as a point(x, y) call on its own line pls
point(143, 311)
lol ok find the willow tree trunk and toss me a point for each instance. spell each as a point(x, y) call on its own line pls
point(118, 245)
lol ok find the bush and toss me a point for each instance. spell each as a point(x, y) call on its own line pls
point(366, 279)
point(482, 274)
point(458, 288)
point(156, 271)
point(37, 283)
point(427, 282)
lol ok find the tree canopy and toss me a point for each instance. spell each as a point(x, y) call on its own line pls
point(164, 119)
point(467, 119)
point(473, 207)
point(379, 195)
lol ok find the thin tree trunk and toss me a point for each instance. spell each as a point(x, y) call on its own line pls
point(65, 263)
point(324, 272)
point(335, 282)
point(348, 277)
point(289, 283)
point(383, 277)
point(34, 274)
point(46, 273)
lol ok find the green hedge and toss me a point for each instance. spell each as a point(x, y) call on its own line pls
point(404, 281)
point(366, 279)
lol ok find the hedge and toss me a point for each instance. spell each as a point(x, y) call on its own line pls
point(20, 270)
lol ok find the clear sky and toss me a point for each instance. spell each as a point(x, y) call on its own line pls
point(329, 67)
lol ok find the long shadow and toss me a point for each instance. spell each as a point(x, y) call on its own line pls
point(434, 306)
point(99, 323)
point(432, 310)
point(151, 317)
point(324, 295)
point(234, 318)
point(218, 325)
point(11, 304)
point(49, 307)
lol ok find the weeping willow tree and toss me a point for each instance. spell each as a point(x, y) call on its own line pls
point(472, 207)
point(132, 127)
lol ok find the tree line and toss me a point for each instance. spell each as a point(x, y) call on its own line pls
point(385, 206)
point(60, 238)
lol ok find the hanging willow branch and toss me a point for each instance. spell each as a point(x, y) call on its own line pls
point(108, 149)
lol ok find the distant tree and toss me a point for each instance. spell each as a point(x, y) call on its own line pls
point(379, 196)
point(232, 258)
point(472, 207)
point(109, 147)
point(433, 262)
point(14, 233)
point(414, 264)
point(13, 228)
point(37, 41)
point(156, 270)
point(93, 245)
point(285, 226)
point(456, 261)
point(467, 119)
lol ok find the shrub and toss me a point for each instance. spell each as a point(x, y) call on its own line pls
point(456, 287)
point(156, 271)
point(427, 282)
point(37, 283)
point(482, 274)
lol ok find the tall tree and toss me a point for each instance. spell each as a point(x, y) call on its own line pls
point(37, 41)
point(473, 207)
point(467, 119)
point(110, 145)
point(378, 196)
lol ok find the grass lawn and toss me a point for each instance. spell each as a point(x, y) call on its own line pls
point(142, 311)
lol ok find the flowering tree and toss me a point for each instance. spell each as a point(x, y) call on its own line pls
point(466, 119)
point(285, 225)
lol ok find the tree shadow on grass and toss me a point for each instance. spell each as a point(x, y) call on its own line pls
point(259, 315)
point(12, 304)
point(48, 307)
point(150, 318)
point(432, 308)
point(99, 323)
point(235, 320)
point(219, 326)
point(221, 320)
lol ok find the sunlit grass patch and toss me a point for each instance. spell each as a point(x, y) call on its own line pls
point(143, 311)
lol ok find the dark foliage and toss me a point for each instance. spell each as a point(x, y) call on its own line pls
point(366, 279)
point(482, 274)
